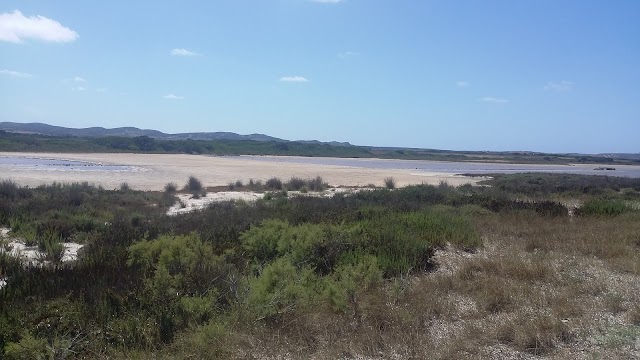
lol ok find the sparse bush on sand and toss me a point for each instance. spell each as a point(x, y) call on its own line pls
point(390, 183)
point(193, 185)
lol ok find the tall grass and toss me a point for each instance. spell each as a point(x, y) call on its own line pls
point(604, 207)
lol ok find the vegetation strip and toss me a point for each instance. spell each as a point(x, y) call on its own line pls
point(420, 271)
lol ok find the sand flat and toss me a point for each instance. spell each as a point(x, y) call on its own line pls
point(153, 171)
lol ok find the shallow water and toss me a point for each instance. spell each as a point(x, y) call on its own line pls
point(30, 163)
point(455, 167)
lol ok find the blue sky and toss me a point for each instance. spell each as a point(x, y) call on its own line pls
point(544, 75)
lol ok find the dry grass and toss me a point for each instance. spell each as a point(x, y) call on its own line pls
point(541, 287)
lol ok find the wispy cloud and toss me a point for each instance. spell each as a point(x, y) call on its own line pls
point(101, 90)
point(173, 97)
point(183, 52)
point(293, 79)
point(462, 83)
point(15, 27)
point(79, 88)
point(79, 79)
point(348, 54)
point(15, 74)
point(559, 86)
point(327, 1)
point(494, 100)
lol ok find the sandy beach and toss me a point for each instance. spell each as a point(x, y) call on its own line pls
point(153, 171)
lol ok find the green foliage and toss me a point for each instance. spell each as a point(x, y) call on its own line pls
point(295, 184)
point(299, 184)
point(124, 187)
point(171, 187)
point(280, 288)
point(401, 242)
point(193, 185)
point(342, 288)
point(537, 184)
point(28, 348)
point(404, 243)
point(274, 184)
point(183, 279)
point(604, 207)
point(52, 249)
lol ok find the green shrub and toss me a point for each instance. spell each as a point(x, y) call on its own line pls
point(274, 184)
point(342, 288)
point(317, 184)
point(280, 288)
point(295, 184)
point(604, 207)
point(183, 279)
point(401, 242)
point(8, 190)
point(193, 185)
point(170, 187)
point(27, 348)
point(52, 249)
point(404, 243)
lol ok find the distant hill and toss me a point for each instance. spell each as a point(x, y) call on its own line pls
point(622, 156)
point(44, 137)
point(51, 130)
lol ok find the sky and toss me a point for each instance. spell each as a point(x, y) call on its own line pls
point(543, 75)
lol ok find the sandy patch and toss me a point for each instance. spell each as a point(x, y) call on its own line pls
point(187, 203)
point(32, 256)
point(156, 170)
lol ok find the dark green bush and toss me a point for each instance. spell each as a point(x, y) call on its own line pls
point(295, 184)
point(274, 184)
point(171, 187)
point(193, 185)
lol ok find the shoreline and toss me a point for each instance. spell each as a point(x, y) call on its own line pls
point(160, 169)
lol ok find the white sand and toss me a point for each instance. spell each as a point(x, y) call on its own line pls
point(156, 170)
point(32, 256)
point(187, 203)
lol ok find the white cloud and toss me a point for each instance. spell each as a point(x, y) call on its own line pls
point(327, 1)
point(79, 79)
point(15, 74)
point(348, 54)
point(15, 27)
point(494, 100)
point(183, 52)
point(559, 86)
point(293, 79)
point(79, 88)
point(462, 83)
point(173, 97)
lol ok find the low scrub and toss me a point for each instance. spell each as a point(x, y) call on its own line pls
point(604, 207)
